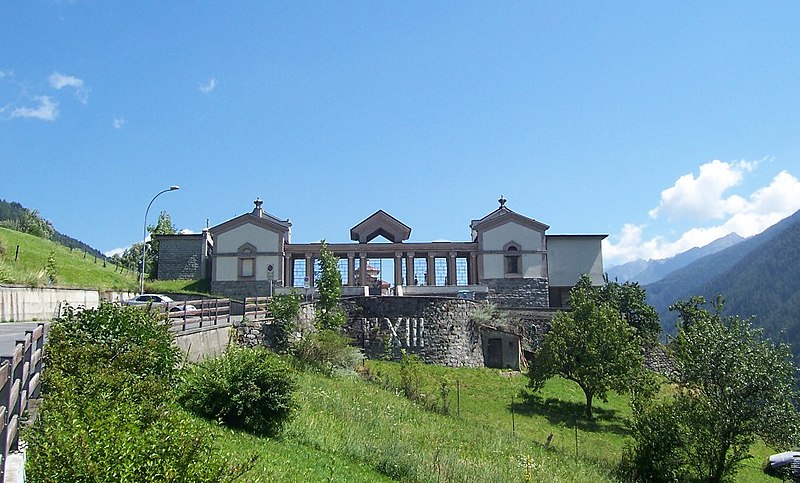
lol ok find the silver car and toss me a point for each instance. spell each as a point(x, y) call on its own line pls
point(162, 300)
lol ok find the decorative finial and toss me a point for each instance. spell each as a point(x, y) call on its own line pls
point(258, 202)
point(502, 201)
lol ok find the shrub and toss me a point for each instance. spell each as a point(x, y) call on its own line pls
point(105, 439)
point(284, 309)
point(247, 388)
point(108, 411)
point(51, 268)
point(327, 351)
point(128, 339)
point(656, 453)
point(5, 273)
point(410, 377)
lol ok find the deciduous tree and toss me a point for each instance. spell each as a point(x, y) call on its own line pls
point(591, 345)
point(329, 286)
point(732, 386)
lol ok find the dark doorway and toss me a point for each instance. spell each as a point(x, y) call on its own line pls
point(494, 356)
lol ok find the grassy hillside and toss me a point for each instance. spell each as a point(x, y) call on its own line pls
point(348, 429)
point(74, 268)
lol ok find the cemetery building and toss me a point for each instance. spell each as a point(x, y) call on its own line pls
point(509, 259)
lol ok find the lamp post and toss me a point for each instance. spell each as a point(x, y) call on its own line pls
point(144, 232)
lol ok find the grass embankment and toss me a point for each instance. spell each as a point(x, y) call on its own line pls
point(348, 429)
point(75, 268)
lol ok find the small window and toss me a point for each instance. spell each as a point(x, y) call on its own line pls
point(247, 261)
point(248, 268)
point(512, 259)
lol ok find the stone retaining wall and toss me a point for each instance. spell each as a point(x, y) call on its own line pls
point(439, 330)
point(240, 290)
point(518, 293)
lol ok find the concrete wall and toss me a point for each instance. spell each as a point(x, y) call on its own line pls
point(528, 239)
point(496, 238)
point(203, 343)
point(24, 304)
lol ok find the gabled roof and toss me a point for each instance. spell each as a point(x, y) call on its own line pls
point(257, 217)
point(503, 215)
point(383, 224)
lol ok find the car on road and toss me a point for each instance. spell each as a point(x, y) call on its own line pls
point(165, 301)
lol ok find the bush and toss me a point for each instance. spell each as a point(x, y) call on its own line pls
point(327, 351)
point(108, 410)
point(284, 309)
point(127, 339)
point(247, 388)
point(105, 439)
point(657, 451)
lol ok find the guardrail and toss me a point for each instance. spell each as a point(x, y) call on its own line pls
point(20, 381)
point(257, 308)
point(205, 313)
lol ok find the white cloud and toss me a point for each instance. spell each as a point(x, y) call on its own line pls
point(745, 216)
point(187, 231)
point(116, 251)
point(58, 81)
point(118, 123)
point(208, 86)
point(702, 198)
point(47, 110)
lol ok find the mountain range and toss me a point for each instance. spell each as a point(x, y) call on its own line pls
point(649, 271)
point(757, 276)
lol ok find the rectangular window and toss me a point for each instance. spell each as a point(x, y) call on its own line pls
point(512, 264)
point(247, 267)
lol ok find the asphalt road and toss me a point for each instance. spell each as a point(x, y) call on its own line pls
point(10, 332)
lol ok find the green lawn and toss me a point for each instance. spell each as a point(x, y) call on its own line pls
point(348, 429)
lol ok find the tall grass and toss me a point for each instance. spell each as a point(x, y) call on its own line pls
point(348, 429)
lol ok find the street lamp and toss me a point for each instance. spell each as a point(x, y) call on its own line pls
point(144, 232)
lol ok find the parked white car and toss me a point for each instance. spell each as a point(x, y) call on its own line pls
point(157, 299)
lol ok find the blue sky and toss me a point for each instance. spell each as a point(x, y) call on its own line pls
point(663, 124)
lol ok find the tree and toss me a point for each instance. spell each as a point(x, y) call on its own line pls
point(51, 268)
point(163, 226)
point(590, 345)
point(631, 301)
point(732, 386)
point(284, 309)
point(329, 286)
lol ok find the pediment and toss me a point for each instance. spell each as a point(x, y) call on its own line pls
point(382, 224)
point(502, 216)
point(270, 224)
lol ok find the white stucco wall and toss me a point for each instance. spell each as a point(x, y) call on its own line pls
point(497, 237)
point(570, 257)
point(227, 244)
point(264, 240)
point(528, 239)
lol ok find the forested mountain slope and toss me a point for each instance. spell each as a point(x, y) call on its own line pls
point(758, 276)
point(12, 214)
point(650, 271)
